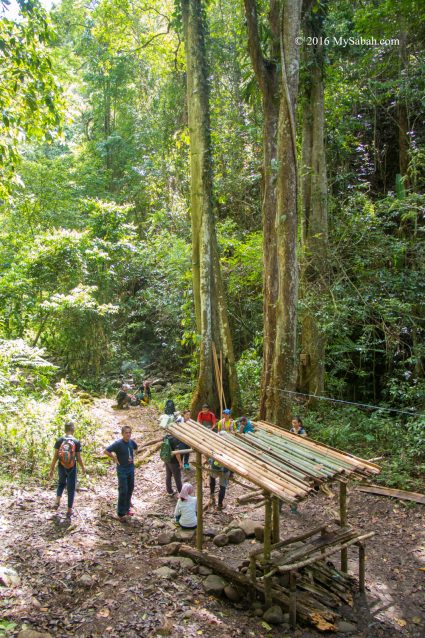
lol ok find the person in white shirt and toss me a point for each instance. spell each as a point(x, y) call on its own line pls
point(185, 512)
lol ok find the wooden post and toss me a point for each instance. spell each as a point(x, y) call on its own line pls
point(343, 521)
point(362, 556)
point(293, 599)
point(276, 519)
point(253, 569)
point(267, 549)
point(199, 487)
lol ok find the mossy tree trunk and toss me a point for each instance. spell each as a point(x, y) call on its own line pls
point(277, 77)
point(210, 306)
point(314, 210)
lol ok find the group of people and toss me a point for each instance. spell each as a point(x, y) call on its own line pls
point(129, 395)
point(68, 454)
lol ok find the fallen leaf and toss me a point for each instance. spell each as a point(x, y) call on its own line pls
point(416, 620)
point(103, 613)
point(400, 622)
point(266, 625)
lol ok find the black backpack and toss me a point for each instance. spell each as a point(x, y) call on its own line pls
point(170, 408)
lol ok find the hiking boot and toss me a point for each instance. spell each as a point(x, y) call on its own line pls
point(69, 513)
point(220, 507)
point(212, 501)
point(123, 519)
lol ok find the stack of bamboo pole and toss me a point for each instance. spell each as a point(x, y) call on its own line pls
point(275, 460)
point(314, 451)
point(244, 462)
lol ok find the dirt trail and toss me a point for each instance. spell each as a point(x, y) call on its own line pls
point(95, 577)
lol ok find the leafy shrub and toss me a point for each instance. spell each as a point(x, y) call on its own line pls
point(33, 413)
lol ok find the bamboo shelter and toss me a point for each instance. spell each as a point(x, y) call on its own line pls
point(286, 467)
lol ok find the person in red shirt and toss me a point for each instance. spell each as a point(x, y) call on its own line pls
point(206, 417)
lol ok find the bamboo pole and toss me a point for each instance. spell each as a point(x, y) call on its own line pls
point(282, 569)
point(267, 549)
point(221, 377)
point(199, 487)
point(362, 571)
point(362, 464)
point(293, 599)
point(276, 519)
point(230, 443)
point(240, 461)
point(306, 454)
point(343, 521)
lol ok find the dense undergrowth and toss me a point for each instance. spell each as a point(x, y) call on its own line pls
point(34, 407)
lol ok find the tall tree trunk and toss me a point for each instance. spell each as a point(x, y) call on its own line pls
point(278, 81)
point(284, 367)
point(210, 307)
point(314, 208)
point(266, 71)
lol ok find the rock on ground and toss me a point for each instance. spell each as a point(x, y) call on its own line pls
point(214, 585)
point(236, 536)
point(165, 572)
point(274, 615)
point(221, 540)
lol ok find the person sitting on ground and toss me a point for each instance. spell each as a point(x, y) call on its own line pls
point(122, 453)
point(173, 463)
point(68, 453)
point(184, 418)
point(244, 425)
point(123, 397)
point(144, 393)
point(206, 417)
point(222, 474)
point(185, 512)
point(226, 424)
point(297, 427)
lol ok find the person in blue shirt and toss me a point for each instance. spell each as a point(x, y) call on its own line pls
point(245, 425)
point(122, 453)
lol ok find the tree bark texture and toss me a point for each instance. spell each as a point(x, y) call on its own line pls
point(314, 210)
point(284, 366)
point(210, 308)
point(277, 78)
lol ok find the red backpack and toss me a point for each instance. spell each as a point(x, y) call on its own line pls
point(67, 453)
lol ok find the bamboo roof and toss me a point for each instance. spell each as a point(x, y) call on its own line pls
point(284, 464)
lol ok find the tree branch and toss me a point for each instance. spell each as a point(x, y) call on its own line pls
point(254, 46)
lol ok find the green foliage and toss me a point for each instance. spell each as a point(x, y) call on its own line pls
point(249, 374)
point(30, 102)
point(400, 442)
point(33, 413)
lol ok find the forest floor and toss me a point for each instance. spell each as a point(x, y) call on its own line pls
point(95, 575)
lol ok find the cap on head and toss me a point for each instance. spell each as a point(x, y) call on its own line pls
point(205, 406)
point(227, 411)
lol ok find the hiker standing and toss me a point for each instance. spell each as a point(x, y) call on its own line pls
point(206, 417)
point(222, 474)
point(185, 418)
point(68, 453)
point(226, 423)
point(122, 453)
point(173, 463)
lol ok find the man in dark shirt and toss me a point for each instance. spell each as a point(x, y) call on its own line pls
point(68, 474)
point(174, 466)
point(122, 453)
